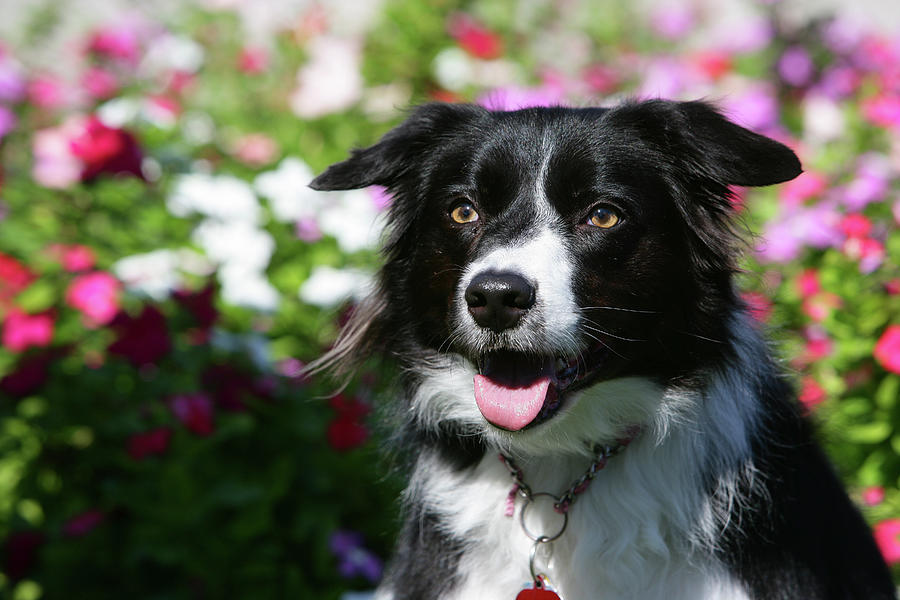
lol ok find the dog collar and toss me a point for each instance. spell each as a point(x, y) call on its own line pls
point(561, 504)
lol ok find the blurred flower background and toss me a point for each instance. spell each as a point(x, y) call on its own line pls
point(165, 272)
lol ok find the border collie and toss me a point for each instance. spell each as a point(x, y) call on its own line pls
point(590, 411)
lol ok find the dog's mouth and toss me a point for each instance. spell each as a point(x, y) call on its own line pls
point(514, 390)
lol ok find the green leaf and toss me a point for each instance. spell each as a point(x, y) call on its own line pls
point(37, 297)
point(887, 394)
point(868, 433)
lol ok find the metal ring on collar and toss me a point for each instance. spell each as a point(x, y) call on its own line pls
point(542, 538)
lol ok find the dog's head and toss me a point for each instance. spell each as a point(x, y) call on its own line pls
point(537, 253)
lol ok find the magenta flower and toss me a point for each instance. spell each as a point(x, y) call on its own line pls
point(55, 166)
point(96, 295)
point(811, 393)
point(787, 235)
point(100, 84)
point(871, 184)
point(808, 283)
point(856, 226)
point(887, 349)
point(12, 80)
point(883, 110)
point(887, 536)
point(838, 82)
point(808, 184)
point(149, 443)
point(119, 43)
point(143, 339)
point(22, 331)
point(48, 92)
point(83, 523)
point(73, 257)
point(873, 495)
point(105, 149)
point(195, 411)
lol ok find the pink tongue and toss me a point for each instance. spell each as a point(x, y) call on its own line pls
point(510, 408)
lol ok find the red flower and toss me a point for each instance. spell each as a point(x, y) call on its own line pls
point(195, 411)
point(96, 295)
point(475, 38)
point(230, 386)
point(200, 304)
point(104, 149)
point(14, 277)
point(713, 64)
point(83, 524)
point(22, 331)
point(347, 431)
point(143, 339)
point(21, 553)
point(887, 350)
point(29, 376)
point(149, 443)
point(811, 393)
point(887, 536)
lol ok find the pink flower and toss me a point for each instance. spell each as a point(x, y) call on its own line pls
point(811, 393)
point(887, 536)
point(818, 345)
point(119, 43)
point(873, 495)
point(55, 166)
point(307, 229)
point(892, 287)
point(96, 295)
point(99, 83)
point(856, 226)
point(14, 277)
point(808, 283)
point(83, 523)
point(868, 251)
point(819, 307)
point(149, 443)
point(758, 305)
point(8, 121)
point(195, 411)
point(808, 184)
point(514, 98)
point(755, 109)
point(255, 150)
point(887, 349)
point(475, 38)
point(12, 80)
point(74, 257)
point(883, 110)
point(22, 331)
point(48, 92)
point(673, 21)
point(253, 60)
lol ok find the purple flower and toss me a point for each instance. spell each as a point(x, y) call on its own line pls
point(838, 82)
point(673, 22)
point(795, 66)
point(664, 78)
point(514, 98)
point(754, 34)
point(871, 183)
point(785, 237)
point(307, 229)
point(380, 197)
point(7, 121)
point(353, 559)
point(755, 109)
point(12, 81)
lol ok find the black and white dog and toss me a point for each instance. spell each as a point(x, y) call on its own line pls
point(557, 281)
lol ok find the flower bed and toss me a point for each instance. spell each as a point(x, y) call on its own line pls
point(165, 272)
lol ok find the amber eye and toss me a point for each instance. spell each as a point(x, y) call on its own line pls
point(603, 217)
point(464, 212)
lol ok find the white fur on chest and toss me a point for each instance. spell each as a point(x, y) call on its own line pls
point(625, 537)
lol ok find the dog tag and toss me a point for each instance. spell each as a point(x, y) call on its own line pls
point(537, 594)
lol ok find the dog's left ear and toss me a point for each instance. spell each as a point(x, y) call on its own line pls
point(725, 151)
point(399, 150)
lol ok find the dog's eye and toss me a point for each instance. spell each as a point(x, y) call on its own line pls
point(603, 217)
point(464, 212)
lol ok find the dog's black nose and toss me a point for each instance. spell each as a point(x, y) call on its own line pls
point(498, 300)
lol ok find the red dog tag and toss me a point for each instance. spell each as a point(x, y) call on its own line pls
point(537, 594)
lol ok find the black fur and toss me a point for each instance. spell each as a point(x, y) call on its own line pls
point(666, 167)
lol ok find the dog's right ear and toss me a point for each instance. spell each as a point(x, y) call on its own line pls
point(387, 161)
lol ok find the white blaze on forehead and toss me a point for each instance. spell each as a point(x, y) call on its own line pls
point(544, 260)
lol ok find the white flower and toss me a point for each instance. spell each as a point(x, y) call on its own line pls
point(288, 191)
point(156, 274)
point(172, 53)
point(823, 119)
point(453, 69)
point(328, 287)
point(221, 196)
point(352, 219)
point(247, 287)
point(235, 243)
point(331, 81)
point(119, 112)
